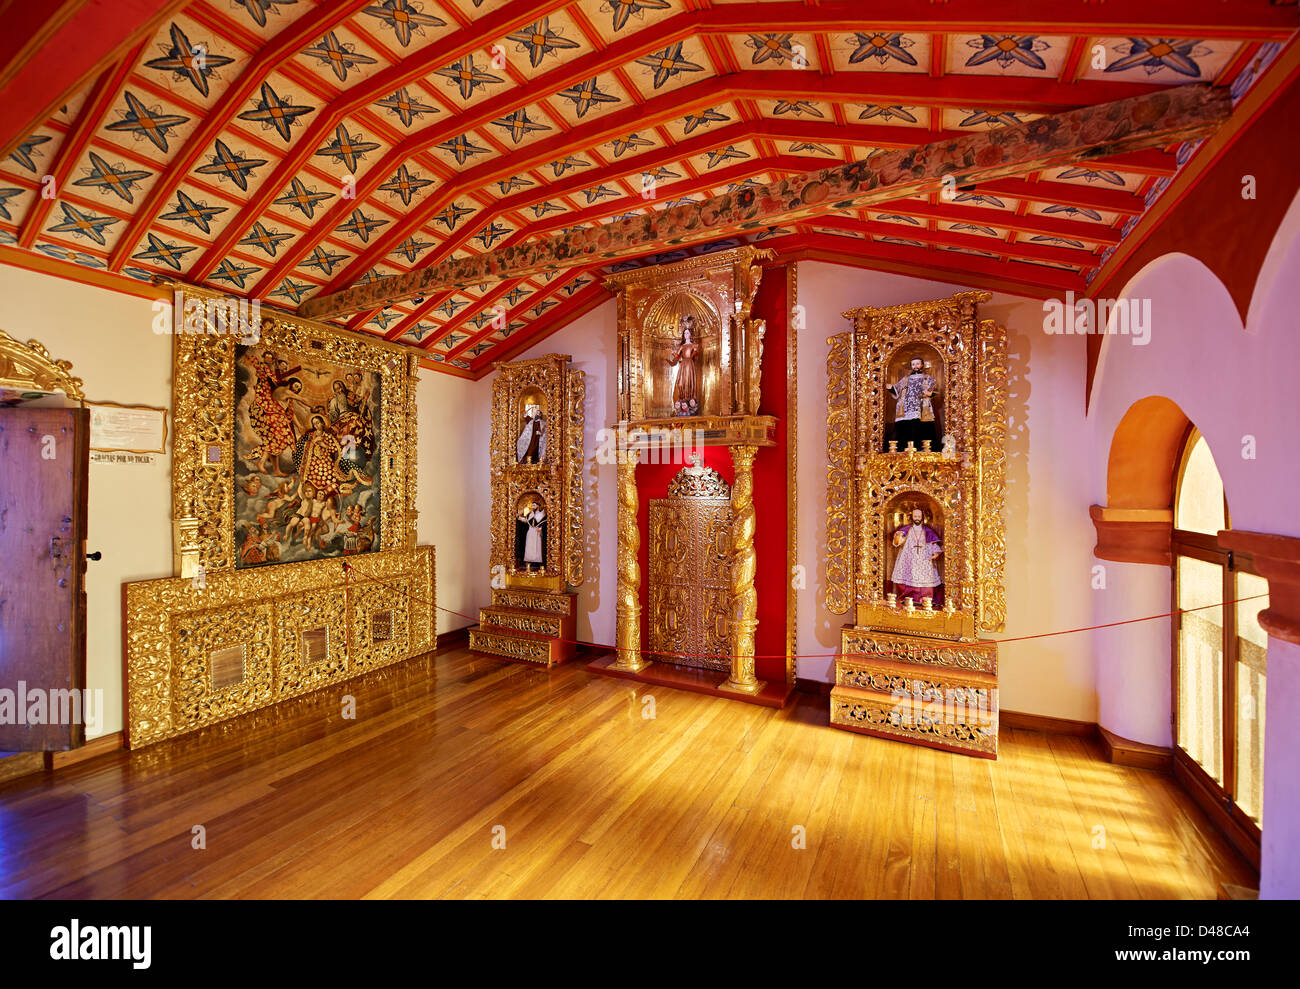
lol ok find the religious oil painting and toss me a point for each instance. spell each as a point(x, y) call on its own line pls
point(306, 458)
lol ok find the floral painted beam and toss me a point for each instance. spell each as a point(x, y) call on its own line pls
point(1153, 120)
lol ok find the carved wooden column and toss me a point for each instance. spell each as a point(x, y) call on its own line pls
point(744, 599)
point(628, 609)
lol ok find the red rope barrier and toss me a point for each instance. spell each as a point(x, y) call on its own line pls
point(938, 645)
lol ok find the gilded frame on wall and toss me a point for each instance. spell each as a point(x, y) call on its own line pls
point(203, 399)
point(968, 484)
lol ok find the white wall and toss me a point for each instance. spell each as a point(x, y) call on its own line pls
point(1049, 536)
point(452, 498)
point(109, 340)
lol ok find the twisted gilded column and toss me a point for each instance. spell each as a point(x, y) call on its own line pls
point(628, 608)
point(744, 599)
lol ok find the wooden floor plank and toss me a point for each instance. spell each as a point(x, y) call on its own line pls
point(596, 800)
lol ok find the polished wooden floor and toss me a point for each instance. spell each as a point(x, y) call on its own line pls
point(595, 801)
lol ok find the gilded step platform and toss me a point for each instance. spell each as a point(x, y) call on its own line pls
point(527, 626)
point(908, 688)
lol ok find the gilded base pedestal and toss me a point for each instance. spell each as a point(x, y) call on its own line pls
point(532, 626)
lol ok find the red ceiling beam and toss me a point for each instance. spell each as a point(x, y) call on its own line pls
point(1175, 114)
point(284, 45)
point(489, 28)
point(52, 51)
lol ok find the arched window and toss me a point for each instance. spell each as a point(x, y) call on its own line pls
point(1219, 649)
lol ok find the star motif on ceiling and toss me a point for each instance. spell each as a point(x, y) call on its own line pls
point(405, 17)
point(197, 214)
point(518, 124)
point(464, 75)
point(542, 306)
point(227, 164)
point(168, 254)
point(539, 40)
point(1159, 54)
point(268, 240)
point(347, 149)
point(323, 261)
point(807, 146)
point(146, 123)
point(975, 197)
point(185, 61)
point(291, 290)
point(884, 48)
point(83, 224)
point(797, 107)
point(411, 248)
point(719, 155)
point(513, 183)
point(257, 9)
point(1092, 175)
point(622, 144)
point(419, 330)
point(887, 113)
point(574, 285)
point(770, 48)
point(490, 234)
point(623, 9)
point(117, 179)
point(274, 113)
point(450, 307)
point(540, 209)
point(5, 196)
point(585, 95)
point(1091, 214)
point(450, 216)
point(710, 116)
point(228, 271)
point(517, 293)
point(405, 107)
point(298, 196)
point(666, 64)
point(23, 154)
point(598, 193)
point(462, 148)
point(340, 56)
point(994, 118)
point(1007, 50)
point(405, 184)
point(569, 161)
point(360, 225)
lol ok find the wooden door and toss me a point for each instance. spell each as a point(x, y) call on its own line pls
point(44, 456)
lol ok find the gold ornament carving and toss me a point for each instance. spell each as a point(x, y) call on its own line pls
point(795, 322)
point(689, 590)
point(744, 598)
point(174, 625)
point(29, 367)
point(628, 606)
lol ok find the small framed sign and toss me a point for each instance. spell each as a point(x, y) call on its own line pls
point(127, 428)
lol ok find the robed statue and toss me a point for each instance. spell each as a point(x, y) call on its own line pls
point(914, 420)
point(530, 448)
point(686, 393)
point(530, 537)
point(915, 575)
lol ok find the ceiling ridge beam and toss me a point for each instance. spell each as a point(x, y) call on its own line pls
point(1154, 120)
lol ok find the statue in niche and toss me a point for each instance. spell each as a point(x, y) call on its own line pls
point(914, 420)
point(915, 575)
point(530, 536)
point(686, 394)
point(530, 448)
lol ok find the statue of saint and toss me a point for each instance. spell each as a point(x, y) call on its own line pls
point(914, 419)
point(686, 395)
point(530, 537)
point(915, 575)
point(530, 448)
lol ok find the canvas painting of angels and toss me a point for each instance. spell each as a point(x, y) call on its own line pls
point(306, 458)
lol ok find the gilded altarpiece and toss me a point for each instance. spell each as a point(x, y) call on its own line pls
point(934, 370)
point(537, 520)
point(690, 358)
point(217, 641)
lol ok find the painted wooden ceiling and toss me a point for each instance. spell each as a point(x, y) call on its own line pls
point(281, 149)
